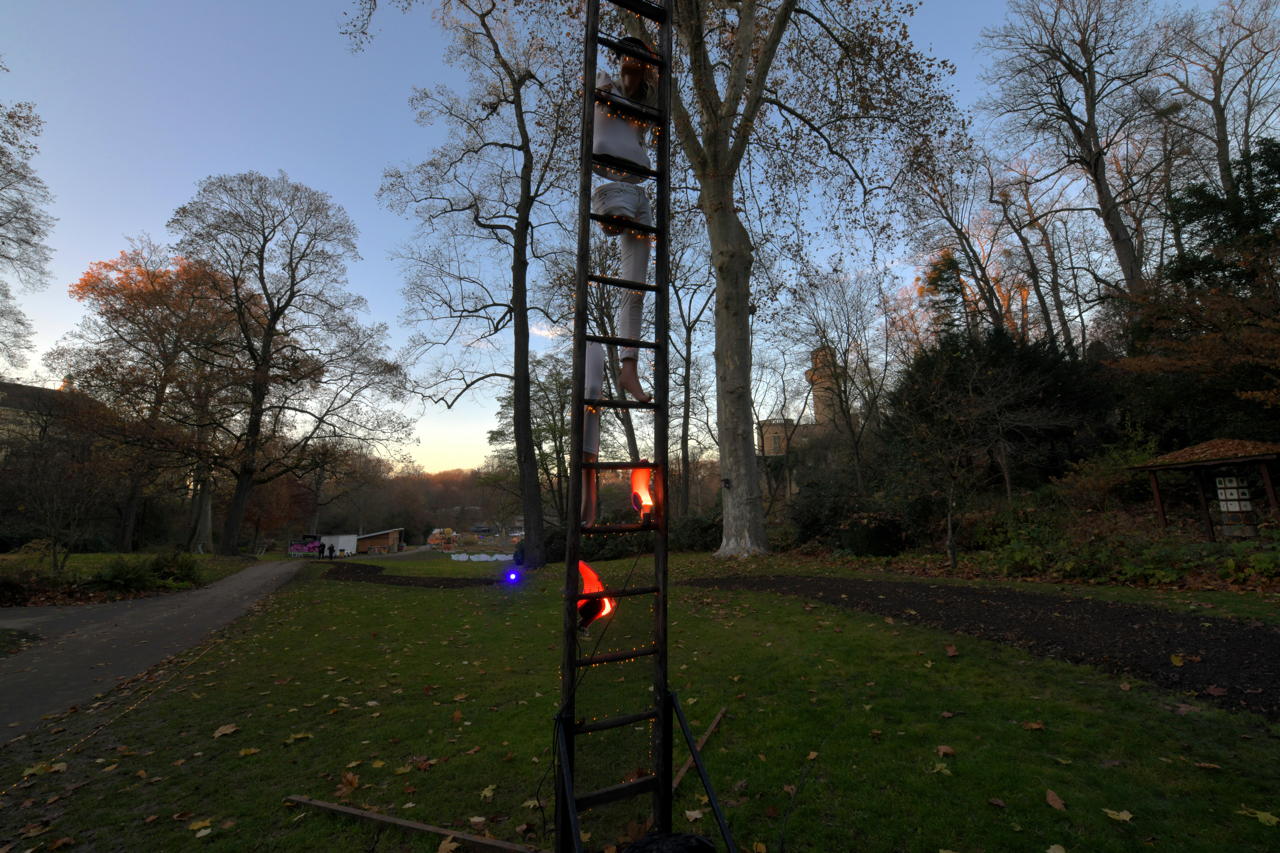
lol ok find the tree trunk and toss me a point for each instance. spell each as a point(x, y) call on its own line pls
point(521, 404)
point(682, 497)
point(951, 528)
point(1118, 231)
point(202, 516)
point(731, 253)
point(230, 542)
point(129, 514)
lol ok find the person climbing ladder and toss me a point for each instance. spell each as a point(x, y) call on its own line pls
point(623, 197)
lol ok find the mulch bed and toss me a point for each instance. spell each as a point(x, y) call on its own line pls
point(365, 573)
point(1234, 664)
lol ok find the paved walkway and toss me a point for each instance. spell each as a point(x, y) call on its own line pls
point(88, 649)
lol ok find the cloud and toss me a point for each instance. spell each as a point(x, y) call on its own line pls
point(551, 333)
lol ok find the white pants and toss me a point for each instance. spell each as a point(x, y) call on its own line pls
point(628, 201)
point(592, 388)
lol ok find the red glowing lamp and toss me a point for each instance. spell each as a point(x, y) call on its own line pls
point(641, 499)
point(591, 609)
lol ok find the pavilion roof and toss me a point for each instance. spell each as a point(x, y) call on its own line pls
point(1218, 451)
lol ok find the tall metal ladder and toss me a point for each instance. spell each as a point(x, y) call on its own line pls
point(575, 660)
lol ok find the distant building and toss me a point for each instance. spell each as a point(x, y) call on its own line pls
point(779, 436)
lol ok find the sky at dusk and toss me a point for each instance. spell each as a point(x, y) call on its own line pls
point(143, 98)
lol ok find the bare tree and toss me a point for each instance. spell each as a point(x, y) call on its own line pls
point(25, 223)
point(488, 197)
point(1221, 85)
point(1064, 74)
point(305, 367)
point(823, 91)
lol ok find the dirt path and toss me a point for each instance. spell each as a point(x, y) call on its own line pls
point(1233, 663)
point(88, 649)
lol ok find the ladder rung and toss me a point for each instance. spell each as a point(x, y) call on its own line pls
point(617, 466)
point(645, 8)
point(626, 167)
point(623, 222)
point(643, 785)
point(630, 50)
point(614, 722)
point(617, 404)
point(619, 528)
point(625, 284)
point(617, 593)
point(617, 657)
point(621, 342)
point(629, 108)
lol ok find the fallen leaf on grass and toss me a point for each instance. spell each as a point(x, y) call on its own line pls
point(1054, 800)
point(109, 768)
point(790, 789)
point(298, 736)
point(477, 821)
point(941, 768)
point(1176, 660)
point(487, 793)
point(531, 804)
point(202, 833)
point(400, 771)
point(1124, 816)
point(812, 756)
point(229, 728)
point(378, 763)
point(1265, 818)
point(1208, 765)
point(249, 750)
point(945, 750)
point(1215, 690)
point(1033, 726)
point(997, 802)
point(65, 841)
point(952, 652)
point(1056, 848)
point(199, 824)
point(350, 782)
point(447, 846)
point(1126, 686)
point(759, 847)
point(692, 815)
point(151, 818)
point(457, 716)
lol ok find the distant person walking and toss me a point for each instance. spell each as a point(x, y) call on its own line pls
point(331, 550)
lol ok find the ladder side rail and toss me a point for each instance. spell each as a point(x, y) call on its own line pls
point(564, 783)
point(566, 810)
point(696, 755)
point(662, 728)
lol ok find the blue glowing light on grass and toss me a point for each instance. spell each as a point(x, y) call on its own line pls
point(512, 575)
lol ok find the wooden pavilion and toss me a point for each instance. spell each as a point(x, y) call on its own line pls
point(1237, 460)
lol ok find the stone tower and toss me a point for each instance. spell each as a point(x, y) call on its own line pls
point(825, 390)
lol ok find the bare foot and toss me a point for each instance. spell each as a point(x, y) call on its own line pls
point(630, 381)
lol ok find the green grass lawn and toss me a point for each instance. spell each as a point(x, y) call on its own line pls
point(433, 564)
point(843, 732)
point(1244, 604)
point(82, 567)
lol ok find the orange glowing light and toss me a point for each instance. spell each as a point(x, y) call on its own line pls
point(591, 609)
point(640, 497)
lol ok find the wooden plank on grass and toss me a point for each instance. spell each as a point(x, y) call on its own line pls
point(474, 841)
point(702, 741)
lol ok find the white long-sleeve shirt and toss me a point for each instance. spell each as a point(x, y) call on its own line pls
point(617, 137)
